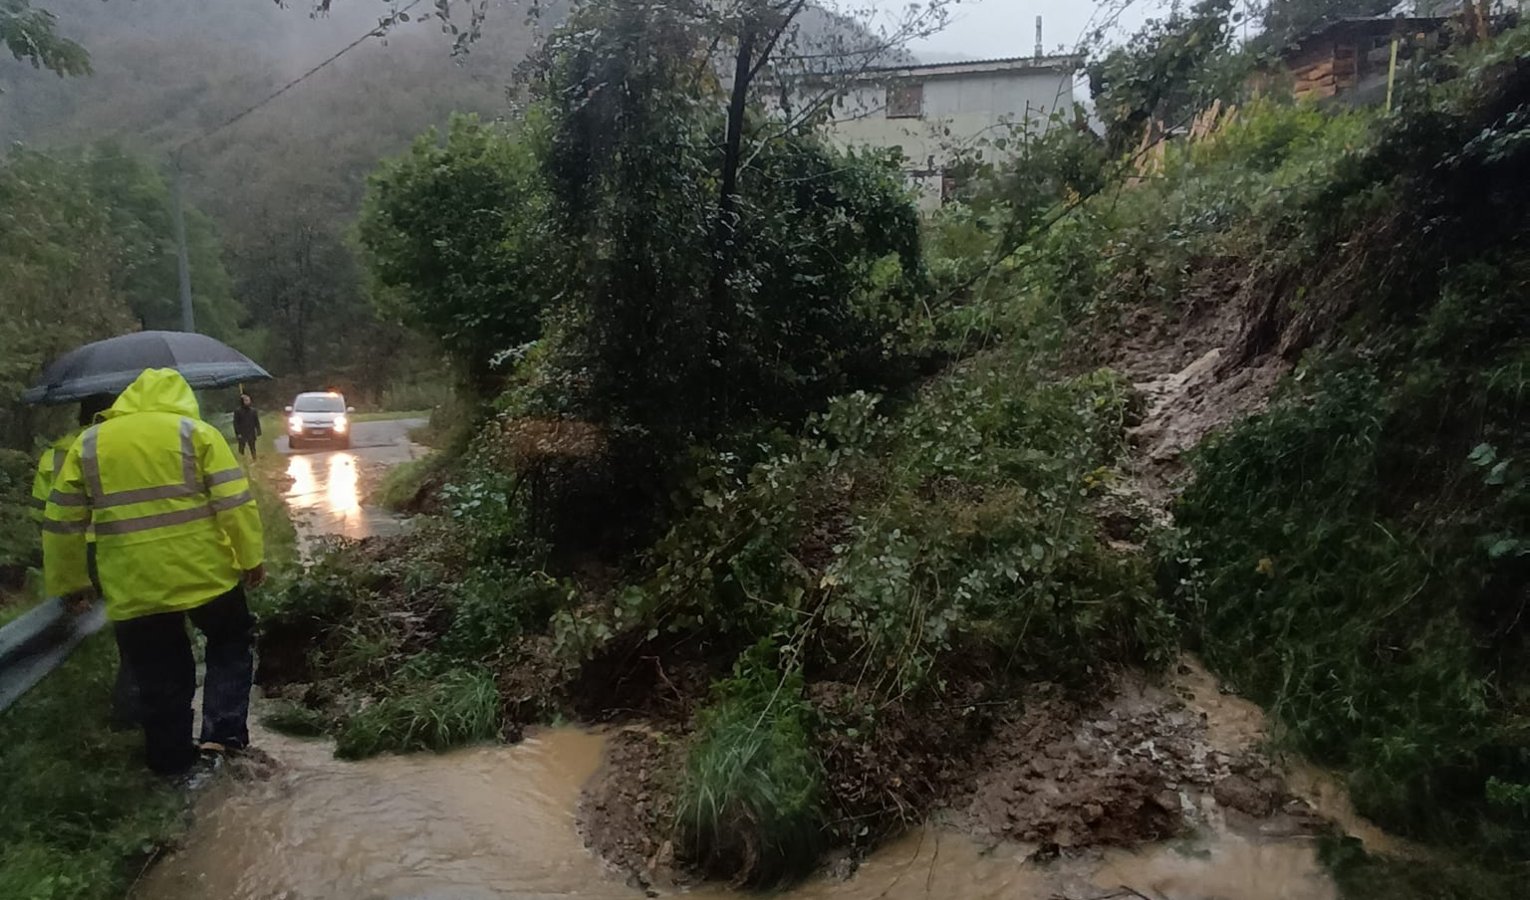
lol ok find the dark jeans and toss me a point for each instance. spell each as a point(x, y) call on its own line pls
point(158, 651)
point(125, 713)
point(247, 443)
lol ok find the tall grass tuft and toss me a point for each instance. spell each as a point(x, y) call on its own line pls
point(459, 707)
point(750, 806)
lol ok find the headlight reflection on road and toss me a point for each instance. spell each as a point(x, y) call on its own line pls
point(305, 482)
point(344, 492)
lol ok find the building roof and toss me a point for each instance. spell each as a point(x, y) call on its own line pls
point(1057, 63)
point(1377, 23)
point(1049, 65)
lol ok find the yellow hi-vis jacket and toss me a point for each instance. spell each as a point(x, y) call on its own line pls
point(169, 506)
point(48, 464)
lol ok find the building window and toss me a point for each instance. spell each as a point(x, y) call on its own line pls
point(905, 101)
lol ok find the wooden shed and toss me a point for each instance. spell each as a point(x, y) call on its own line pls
point(1350, 58)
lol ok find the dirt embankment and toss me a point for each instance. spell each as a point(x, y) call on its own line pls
point(1138, 762)
point(1192, 370)
point(1142, 762)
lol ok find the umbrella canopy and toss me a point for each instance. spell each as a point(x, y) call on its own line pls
point(109, 366)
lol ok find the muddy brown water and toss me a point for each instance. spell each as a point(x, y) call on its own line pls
point(499, 821)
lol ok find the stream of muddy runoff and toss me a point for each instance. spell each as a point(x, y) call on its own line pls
point(501, 821)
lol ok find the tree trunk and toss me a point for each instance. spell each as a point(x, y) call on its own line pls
point(720, 315)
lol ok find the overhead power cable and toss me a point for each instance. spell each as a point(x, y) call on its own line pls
point(237, 117)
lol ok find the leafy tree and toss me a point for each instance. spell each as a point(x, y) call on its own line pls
point(628, 163)
point(31, 35)
point(1167, 72)
point(635, 177)
point(88, 252)
point(136, 199)
point(454, 234)
point(60, 256)
point(828, 257)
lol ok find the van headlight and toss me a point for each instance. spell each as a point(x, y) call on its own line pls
point(341, 423)
point(295, 424)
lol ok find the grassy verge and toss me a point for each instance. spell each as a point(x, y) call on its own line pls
point(391, 415)
point(401, 488)
point(79, 816)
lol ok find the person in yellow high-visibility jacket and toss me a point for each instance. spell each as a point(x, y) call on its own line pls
point(52, 458)
point(124, 693)
point(177, 535)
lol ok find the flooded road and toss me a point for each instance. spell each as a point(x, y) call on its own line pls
point(328, 486)
point(499, 821)
point(478, 823)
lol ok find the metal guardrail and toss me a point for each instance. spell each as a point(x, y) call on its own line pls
point(36, 643)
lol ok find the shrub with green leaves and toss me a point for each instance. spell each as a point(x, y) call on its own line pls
point(750, 805)
point(496, 604)
point(893, 545)
point(19, 545)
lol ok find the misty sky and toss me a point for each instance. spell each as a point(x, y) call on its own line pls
point(982, 29)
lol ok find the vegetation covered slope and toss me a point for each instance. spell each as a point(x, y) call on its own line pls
point(1352, 556)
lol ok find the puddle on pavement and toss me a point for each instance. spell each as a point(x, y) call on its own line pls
point(327, 487)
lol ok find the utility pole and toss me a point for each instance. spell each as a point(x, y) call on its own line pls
point(182, 259)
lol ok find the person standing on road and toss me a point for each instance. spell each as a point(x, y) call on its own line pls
point(177, 536)
point(246, 425)
point(124, 713)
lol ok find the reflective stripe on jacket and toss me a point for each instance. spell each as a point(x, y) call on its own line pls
point(168, 503)
point(48, 464)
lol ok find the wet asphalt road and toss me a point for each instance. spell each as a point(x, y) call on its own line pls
point(327, 485)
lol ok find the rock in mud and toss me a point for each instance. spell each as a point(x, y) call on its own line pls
point(1125, 770)
point(1245, 795)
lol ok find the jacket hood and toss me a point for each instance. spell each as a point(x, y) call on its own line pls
point(157, 390)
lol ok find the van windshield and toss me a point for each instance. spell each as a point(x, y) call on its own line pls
point(319, 403)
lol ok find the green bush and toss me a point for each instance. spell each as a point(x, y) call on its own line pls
point(1361, 876)
point(494, 605)
point(960, 530)
point(1353, 577)
point(19, 543)
point(750, 805)
point(454, 708)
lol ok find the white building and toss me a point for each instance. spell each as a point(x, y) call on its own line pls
point(934, 112)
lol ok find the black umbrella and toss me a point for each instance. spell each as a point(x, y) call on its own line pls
point(109, 366)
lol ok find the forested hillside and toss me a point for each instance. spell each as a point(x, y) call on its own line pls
point(281, 187)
